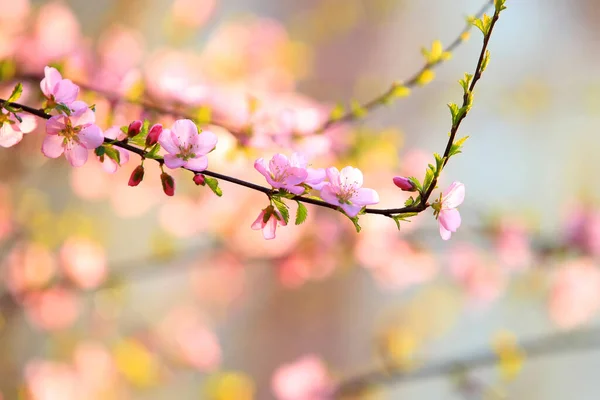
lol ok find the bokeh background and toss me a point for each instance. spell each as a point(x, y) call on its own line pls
point(113, 292)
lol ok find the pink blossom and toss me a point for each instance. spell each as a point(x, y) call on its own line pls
point(345, 190)
point(575, 293)
point(53, 309)
point(268, 227)
point(448, 216)
point(56, 89)
point(73, 134)
point(290, 174)
point(186, 147)
point(84, 262)
point(305, 379)
point(11, 130)
point(108, 164)
point(47, 380)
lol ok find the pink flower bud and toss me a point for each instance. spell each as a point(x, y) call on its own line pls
point(199, 179)
point(168, 184)
point(134, 128)
point(153, 134)
point(404, 184)
point(136, 176)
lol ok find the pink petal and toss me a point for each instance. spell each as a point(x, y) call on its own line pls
point(205, 142)
point(444, 233)
point(351, 176)
point(329, 195)
point(259, 223)
point(9, 136)
point(29, 123)
point(269, 229)
point(351, 209)
point(297, 190)
point(166, 141)
point(298, 160)
point(198, 164)
point(261, 166)
point(450, 219)
point(334, 176)
point(91, 137)
point(184, 130)
point(82, 114)
point(53, 146)
point(66, 92)
point(278, 163)
point(124, 155)
point(113, 132)
point(51, 79)
point(365, 197)
point(295, 176)
point(315, 178)
point(172, 161)
point(109, 165)
point(55, 124)
point(454, 195)
point(76, 154)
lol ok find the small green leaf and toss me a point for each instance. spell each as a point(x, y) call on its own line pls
point(337, 112)
point(466, 82)
point(415, 182)
point(429, 174)
point(112, 153)
point(410, 202)
point(357, 110)
point(213, 184)
point(282, 207)
point(140, 138)
point(439, 161)
point(486, 60)
point(153, 153)
point(301, 213)
point(64, 108)
point(99, 151)
point(499, 4)
point(483, 24)
point(16, 93)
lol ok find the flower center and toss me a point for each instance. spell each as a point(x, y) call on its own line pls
point(347, 191)
point(70, 132)
point(279, 174)
point(185, 152)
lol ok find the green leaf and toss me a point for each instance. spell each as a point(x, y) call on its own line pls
point(456, 146)
point(466, 82)
point(64, 108)
point(140, 138)
point(439, 161)
point(410, 202)
point(99, 151)
point(499, 4)
point(213, 184)
point(415, 182)
point(403, 217)
point(486, 60)
point(357, 110)
point(301, 213)
point(429, 174)
point(16, 93)
point(112, 153)
point(153, 153)
point(337, 112)
point(282, 207)
point(483, 24)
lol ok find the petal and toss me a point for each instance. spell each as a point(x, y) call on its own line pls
point(270, 228)
point(315, 178)
point(9, 136)
point(261, 166)
point(352, 209)
point(197, 164)
point(184, 130)
point(297, 190)
point(351, 176)
point(450, 219)
point(51, 79)
point(66, 91)
point(329, 195)
point(53, 146)
point(91, 137)
point(444, 233)
point(28, 124)
point(334, 176)
point(113, 132)
point(298, 160)
point(109, 165)
point(172, 161)
point(454, 195)
point(76, 154)
point(259, 223)
point(82, 114)
point(295, 176)
point(278, 163)
point(204, 143)
point(55, 124)
point(365, 197)
point(166, 142)
point(123, 155)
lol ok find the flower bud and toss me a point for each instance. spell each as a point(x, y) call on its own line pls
point(168, 184)
point(199, 179)
point(134, 128)
point(136, 176)
point(153, 134)
point(404, 184)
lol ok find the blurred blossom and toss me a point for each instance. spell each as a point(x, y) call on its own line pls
point(94, 365)
point(482, 280)
point(84, 262)
point(6, 213)
point(582, 228)
point(305, 265)
point(178, 217)
point(120, 49)
point(513, 245)
point(49, 380)
point(28, 266)
point(185, 336)
point(218, 280)
point(52, 309)
point(575, 293)
point(192, 13)
point(305, 379)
